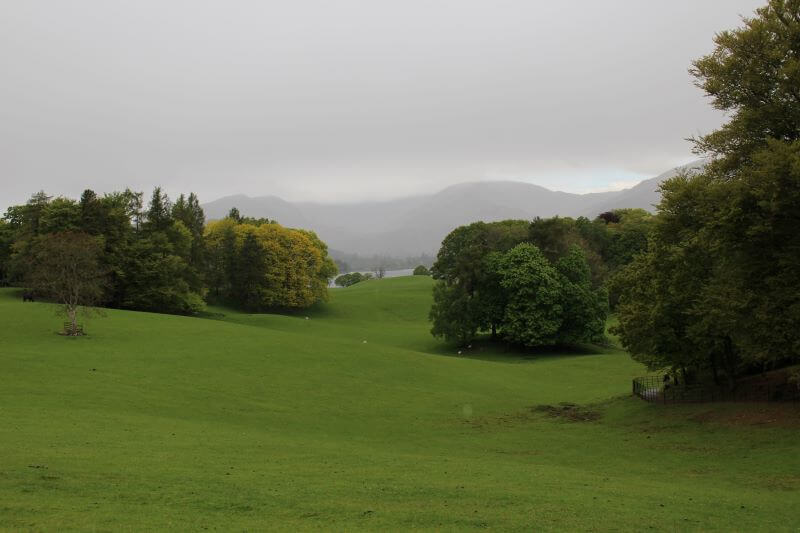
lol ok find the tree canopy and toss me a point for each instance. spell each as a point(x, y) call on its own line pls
point(492, 278)
point(717, 291)
point(65, 267)
point(268, 266)
point(162, 256)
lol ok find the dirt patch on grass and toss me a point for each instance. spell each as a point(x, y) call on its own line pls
point(764, 415)
point(569, 412)
point(788, 483)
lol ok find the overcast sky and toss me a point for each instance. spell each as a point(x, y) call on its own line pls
point(348, 100)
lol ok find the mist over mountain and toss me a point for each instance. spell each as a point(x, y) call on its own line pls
point(416, 225)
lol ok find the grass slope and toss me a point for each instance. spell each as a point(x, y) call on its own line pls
point(253, 422)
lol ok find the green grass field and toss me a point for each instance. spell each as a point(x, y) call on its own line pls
point(253, 422)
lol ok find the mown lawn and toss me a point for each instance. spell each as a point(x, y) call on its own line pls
point(252, 422)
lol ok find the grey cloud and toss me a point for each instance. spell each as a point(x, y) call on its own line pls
point(346, 100)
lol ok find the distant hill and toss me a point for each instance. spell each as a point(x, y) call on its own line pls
point(417, 225)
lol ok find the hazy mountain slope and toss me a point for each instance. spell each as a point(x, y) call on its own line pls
point(644, 195)
point(415, 225)
point(271, 207)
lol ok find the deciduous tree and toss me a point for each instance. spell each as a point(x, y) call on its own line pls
point(65, 268)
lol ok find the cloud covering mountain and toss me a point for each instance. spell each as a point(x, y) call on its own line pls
point(416, 225)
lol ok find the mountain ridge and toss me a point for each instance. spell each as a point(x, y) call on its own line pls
point(416, 225)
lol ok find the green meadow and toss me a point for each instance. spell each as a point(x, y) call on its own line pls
point(352, 417)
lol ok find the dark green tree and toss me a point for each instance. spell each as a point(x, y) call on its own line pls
point(157, 279)
point(753, 75)
point(718, 286)
point(346, 280)
point(159, 217)
point(249, 278)
point(534, 312)
point(585, 308)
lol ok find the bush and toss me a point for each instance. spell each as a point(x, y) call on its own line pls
point(345, 280)
point(422, 271)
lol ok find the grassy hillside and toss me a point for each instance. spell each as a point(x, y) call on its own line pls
point(248, 422)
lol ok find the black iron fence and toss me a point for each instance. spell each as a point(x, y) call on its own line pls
point(657, 389)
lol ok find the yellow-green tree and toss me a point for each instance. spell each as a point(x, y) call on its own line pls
point(267, 266)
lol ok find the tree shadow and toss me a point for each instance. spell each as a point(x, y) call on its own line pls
point(486, 349)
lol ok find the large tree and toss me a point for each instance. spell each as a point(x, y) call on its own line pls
point(753, 75)
point(719, 288)
point(466, 293)
point(267, 266)
point(534, 309)
point(65, 268)
point(491, 279)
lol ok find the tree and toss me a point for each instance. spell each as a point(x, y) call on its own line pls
point(534, 310)
point(457, 313)
point(491, 279)
point(609, 217)
point(556, 236)
point(249, 279)
point(724, 252)
point(454, 315)
point(297, 271)
point(659, 289)
point(60, 214)
point(158, 213)
point(65, 267)
point(753, 75)
point(91, 213)
point(421, 270)
point(585, 308)
point(7, 236)
point(157, 279)
point(346, 280)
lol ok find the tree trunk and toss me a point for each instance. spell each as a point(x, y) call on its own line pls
point(728, 361)
point(72, 314)
point(494, 331)
point(714, 369)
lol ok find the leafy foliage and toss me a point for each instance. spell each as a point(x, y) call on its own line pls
point(421, 270)
point(161, 258)
point(346, 280)
point(267, 266)
point(718, 289)
point(491, 278)
point(65, 267)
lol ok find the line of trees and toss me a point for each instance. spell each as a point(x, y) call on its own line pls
point(717, 294)
point(161, 257)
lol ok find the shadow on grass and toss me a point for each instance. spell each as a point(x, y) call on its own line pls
point(486, 349)
point(222, 311)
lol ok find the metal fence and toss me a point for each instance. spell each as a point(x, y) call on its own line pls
point(658, 390)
